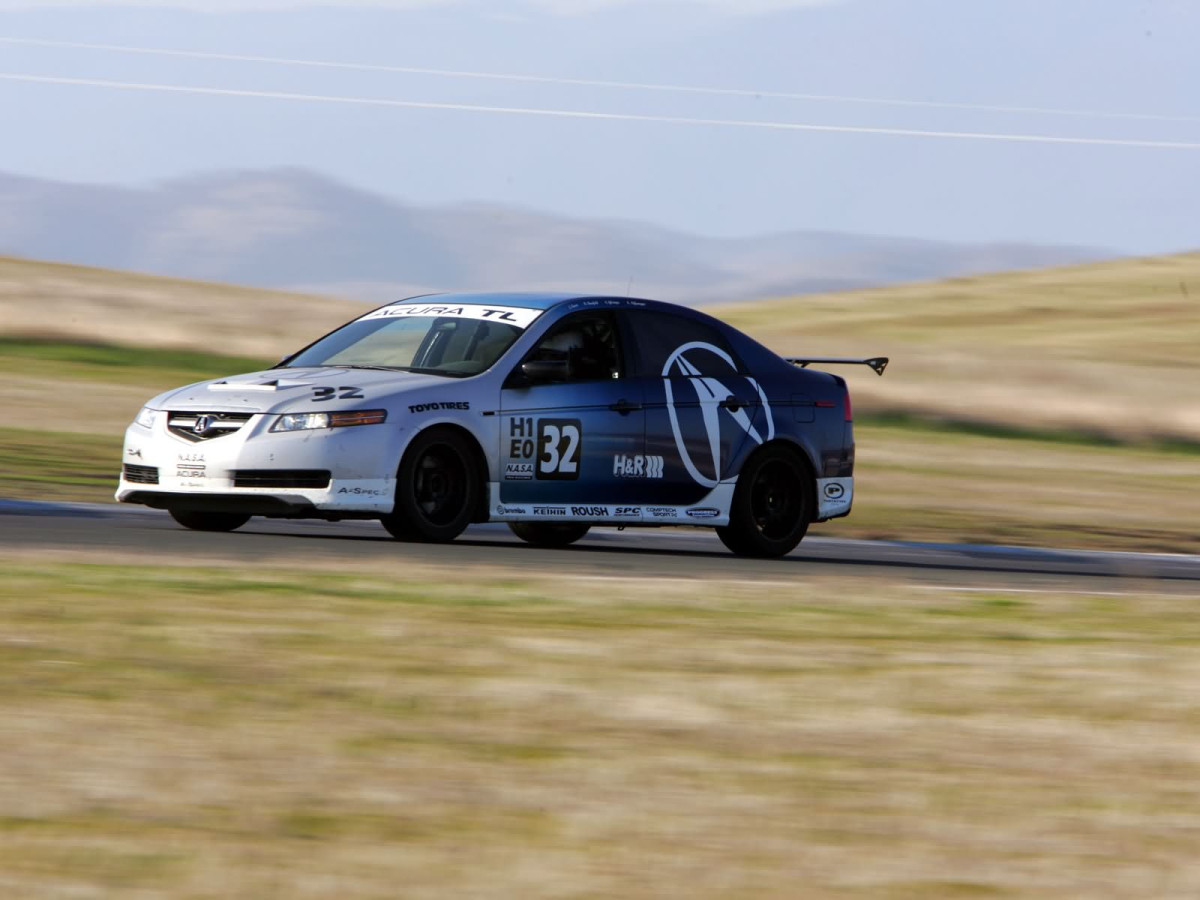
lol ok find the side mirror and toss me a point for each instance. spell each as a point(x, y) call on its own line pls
point(541, 371)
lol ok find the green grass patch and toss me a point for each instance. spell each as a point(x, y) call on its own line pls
point(48, 465)
point(121, 365)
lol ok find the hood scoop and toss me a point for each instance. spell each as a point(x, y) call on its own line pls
point(277, 384)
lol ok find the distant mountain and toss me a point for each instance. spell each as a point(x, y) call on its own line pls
point(289, 228)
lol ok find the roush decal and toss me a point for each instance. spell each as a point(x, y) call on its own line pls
point(713, 396)
point(432, 407)
point(637, 466)
point(590, 512)
point(510, 315)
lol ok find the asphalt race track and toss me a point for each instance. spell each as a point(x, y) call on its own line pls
point(125, 531)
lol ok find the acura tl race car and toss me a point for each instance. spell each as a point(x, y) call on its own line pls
point(549, 412)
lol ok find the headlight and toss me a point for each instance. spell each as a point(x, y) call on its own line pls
point(307, 421)
point(146, 417)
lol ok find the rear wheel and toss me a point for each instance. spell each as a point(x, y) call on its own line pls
point(543, 534)
point(208, 521)
point(772, 505)
point(437, 488)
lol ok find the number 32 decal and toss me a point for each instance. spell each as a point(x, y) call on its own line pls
point(558, 449)
point(328, 393)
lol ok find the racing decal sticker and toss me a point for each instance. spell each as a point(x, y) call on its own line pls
point(509, 315)
point(590, 512)
point(550, 512)
point(627, 512)
point(336, 393)
point(637, 466)
point(704, 512)
point(662, 512)
point(503, 510)
point(715, 400)
point(834, 497)
point(518, 471)
point(550, 447)
point(433, 407)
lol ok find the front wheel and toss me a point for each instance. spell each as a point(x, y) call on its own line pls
point(542, 534)
point(208, 521)
point(437, 489)
point(772, 505)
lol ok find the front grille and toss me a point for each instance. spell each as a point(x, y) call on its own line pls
point(203, 426)
point(141, 474)
point(280, 478)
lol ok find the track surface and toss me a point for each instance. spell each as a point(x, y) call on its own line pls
point(636, 553)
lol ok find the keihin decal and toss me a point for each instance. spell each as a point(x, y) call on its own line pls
point(637, 466)
point(711, 393)
point(550, 511)
point(509, 315)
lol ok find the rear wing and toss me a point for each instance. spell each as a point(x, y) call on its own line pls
point(877, 363)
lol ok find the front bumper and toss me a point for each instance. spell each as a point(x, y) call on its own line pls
point(164, 471)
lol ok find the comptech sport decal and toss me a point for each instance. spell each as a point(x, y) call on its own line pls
point(712, 395)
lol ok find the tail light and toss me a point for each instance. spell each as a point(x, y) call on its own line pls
point(849, 409)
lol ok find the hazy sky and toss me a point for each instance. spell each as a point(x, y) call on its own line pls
point(1068, 121)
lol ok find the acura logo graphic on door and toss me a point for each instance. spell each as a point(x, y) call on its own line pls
point(710, 392)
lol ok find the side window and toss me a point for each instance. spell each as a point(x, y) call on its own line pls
point(660, 337)
point(584, 344)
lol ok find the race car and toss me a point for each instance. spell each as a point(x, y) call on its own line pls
point(549, 412)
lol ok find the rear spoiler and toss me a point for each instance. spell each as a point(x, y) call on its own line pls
point(877, 363)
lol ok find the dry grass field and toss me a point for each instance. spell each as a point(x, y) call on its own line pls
point(1111, 348)
point(198, 732)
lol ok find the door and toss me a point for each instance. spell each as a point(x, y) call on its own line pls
point(572, 428)
point(703, 413)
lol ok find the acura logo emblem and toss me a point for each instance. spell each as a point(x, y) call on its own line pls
point(203, 423)
point(710, 392)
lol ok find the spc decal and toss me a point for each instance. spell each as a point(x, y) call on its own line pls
point(551, 445)
point(627, 512)
point(637, 466)
point(714, 399)
point(433, 407)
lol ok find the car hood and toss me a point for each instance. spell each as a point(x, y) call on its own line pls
point(288, 389)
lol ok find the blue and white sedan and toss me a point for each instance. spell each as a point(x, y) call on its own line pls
point(549, 412)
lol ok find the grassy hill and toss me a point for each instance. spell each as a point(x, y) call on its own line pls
point(1110, 349)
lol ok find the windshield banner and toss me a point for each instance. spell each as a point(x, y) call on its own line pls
point(509, 315)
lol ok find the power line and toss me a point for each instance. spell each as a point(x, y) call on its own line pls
point(588, 82)
point(587, 114)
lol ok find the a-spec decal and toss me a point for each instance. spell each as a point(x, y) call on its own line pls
point(550, 446)
point(432, 407)
point(510, 315)
point(339, 393)
point(637, 466)
point(710, 391)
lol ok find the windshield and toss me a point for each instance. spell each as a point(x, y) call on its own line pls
point(455, 341)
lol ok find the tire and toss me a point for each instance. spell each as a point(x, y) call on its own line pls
point(437, 488)
point(208, 521)
point(544, 534)
point(772, 505)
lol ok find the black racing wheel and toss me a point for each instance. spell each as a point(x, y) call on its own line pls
point(437, 488)
point(208, 521)
point(772, 505)
point(547, 534)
